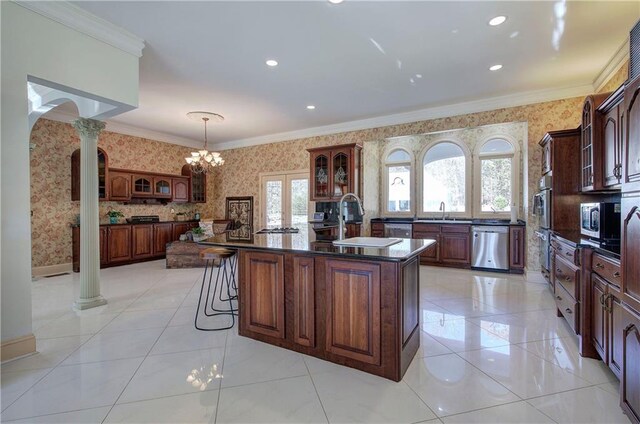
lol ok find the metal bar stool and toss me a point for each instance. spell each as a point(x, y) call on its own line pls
point(224, 281)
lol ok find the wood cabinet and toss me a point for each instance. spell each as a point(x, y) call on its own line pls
point(335, 171)
point(377, 229)
point(119, 243)
point(591, 143)
point(180, 228)
point(303, 301)
point(162, 187)
point(566, 279)
point(630, 381)
point(263, 288)
point(452, 247)
point(141, 241)
point(599, 320)
point(630, 250)
point(141, 185)
point(517, 247)
point(180, 187)
point(197, 186)
point(104, 247)
point(103, 175)
point(162, 234)
point(119, 186)
point(612, 118)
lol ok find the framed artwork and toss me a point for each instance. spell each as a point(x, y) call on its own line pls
point(240, 211)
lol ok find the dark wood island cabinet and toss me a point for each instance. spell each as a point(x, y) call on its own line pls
point(353, 306)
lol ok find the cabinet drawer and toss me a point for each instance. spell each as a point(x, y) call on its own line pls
point(607, 268)
point(456, 228)
point(377, 226)
point(429, 228)
point(564, 250)
point(568, 306)
point(568, 276)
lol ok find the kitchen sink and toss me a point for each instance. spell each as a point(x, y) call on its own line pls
point(367, 242)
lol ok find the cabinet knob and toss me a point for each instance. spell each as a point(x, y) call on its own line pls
point(567, 278)
point(569, 311)
point(568, 253)
point(616, 274)
point(599, 265)
point(559, 298)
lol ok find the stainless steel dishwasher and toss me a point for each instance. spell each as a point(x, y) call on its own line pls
point(490, 247)
point(397, 229)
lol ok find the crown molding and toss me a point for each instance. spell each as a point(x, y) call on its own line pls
point(475, 106)
point(86, 23)
point(613, 65)
point(117, 127)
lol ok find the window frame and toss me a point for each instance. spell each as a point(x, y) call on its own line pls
point(468, 194)
point(478, 157)
point(285, 177)
point(385, 183)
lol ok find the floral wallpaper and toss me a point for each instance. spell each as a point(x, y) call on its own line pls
point(52, 208)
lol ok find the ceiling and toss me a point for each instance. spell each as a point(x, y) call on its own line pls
point(353, 61)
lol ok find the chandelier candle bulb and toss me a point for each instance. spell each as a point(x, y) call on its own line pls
point(202, 161)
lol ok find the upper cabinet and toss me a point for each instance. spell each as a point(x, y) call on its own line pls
point(198, 186)
point(592, 143)
point(119, 186)
point(162, 187)
point(103, 175)
point(180, 190)
point(335, 171)
point(631, 154)
point(141, 185)
point(611, 112)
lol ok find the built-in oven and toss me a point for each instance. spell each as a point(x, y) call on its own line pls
point(542, 208)
point(545, 251)
point(600, 221)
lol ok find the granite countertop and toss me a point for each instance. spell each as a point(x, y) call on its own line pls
point(577, 240)
point(304, 242)
point(452, 221)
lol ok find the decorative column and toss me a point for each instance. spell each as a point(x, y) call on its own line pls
point(90, 297)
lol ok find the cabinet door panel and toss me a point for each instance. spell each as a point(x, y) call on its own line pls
point(567, 275)
point(304, 301)
point(516, 247)
point(104, 246)
point(630, 286)
point(353, 310)
point(632, 139)
point(615, 335)
point(598, 316)
point(119, 243)
point(119, 186)
point(141, 241)
point(630, 382)
point(455, 249)
point(610, 133)
point(432, 253)
point(180, 190)
point(162, 234)
point(263, 282)
point(179, 229)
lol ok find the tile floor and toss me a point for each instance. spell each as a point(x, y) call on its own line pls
point(492, 350)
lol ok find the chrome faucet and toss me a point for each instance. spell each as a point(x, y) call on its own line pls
point(442, 209)
point(341, 216)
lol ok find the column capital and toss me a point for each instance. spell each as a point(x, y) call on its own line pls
point(88, 127)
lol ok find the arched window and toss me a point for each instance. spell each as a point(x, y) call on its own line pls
point(444, 178)
point(398, 182)
point(497, 173)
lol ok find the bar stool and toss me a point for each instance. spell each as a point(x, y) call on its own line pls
point(224, 281)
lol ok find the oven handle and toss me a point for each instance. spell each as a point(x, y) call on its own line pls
point(541, 236)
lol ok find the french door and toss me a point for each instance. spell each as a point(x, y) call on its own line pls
point(284, 199)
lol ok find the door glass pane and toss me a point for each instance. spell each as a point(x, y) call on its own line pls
point(399, 189)
point(496, 185)
point(274, 203)
point(299, 202)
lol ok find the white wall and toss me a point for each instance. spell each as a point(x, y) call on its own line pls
point(35, 46)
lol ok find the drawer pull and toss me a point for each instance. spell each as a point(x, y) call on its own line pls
point(599, 266)
point(616, 274)
point(567, 278)
point(568, 253)
point(559, 248)
point(559, 298)
point(602, 299)
point(558, 270)
point(569, 311)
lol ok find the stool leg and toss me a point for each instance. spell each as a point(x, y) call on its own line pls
point(230, 312)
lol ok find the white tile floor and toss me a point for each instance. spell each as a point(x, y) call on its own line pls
point(492, 350)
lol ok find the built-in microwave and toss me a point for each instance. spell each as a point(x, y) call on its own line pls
point(600, 221)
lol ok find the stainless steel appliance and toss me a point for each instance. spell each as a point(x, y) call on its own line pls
point(545, 251)
point(600, 221)
point(144, 219)
point(490, 247)
point(395, 229)
point(542, 203)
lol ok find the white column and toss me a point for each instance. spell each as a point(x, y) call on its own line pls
point(90, 297)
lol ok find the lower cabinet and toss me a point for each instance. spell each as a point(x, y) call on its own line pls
point(304, 322)
point(517, 247)
point(430, 256)
point(119, 244)
point(599, 317)
point(162, 234)
point(104, 247)
point(630, 381)
point(455, 245)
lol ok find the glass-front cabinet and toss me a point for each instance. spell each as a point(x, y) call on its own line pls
point(335, 171)
point(198, 187)
point(142, 185)
point(103, 175)
point(162, 187)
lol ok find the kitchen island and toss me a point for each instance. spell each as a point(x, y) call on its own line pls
point(353, 306)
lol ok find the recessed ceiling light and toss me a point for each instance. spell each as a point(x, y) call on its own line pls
point(311, 107)
point(495, 67)
point(271, 62)
point(335, 1)
point(497, 20)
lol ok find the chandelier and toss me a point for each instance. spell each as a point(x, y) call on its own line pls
point(202, 160)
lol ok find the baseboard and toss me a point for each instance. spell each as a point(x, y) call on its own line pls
point(43, 271)
point(20, 346)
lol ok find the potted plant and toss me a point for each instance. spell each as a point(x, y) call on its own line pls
point(198, 234)
point(114, 216)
